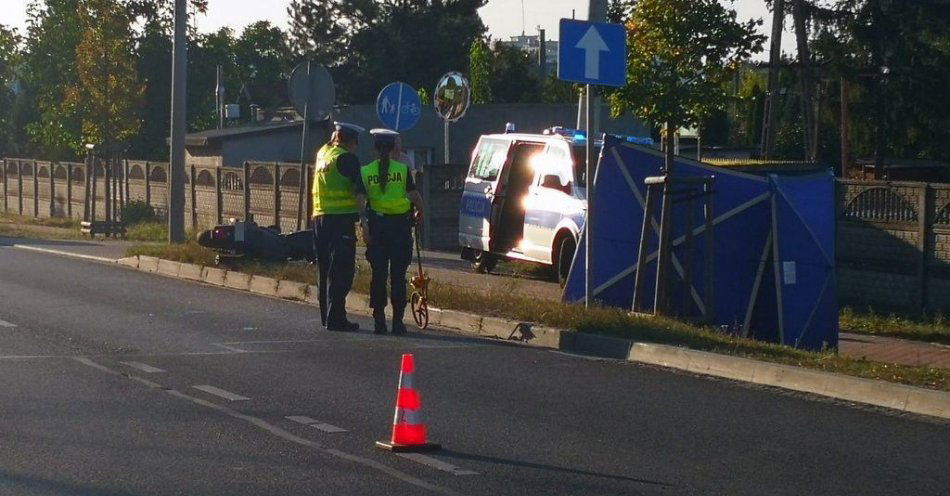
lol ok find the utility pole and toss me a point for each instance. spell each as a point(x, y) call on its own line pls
point(775, 61)
point(219, 97)
point(845, 130)
point(804, 76)
point(176, 183)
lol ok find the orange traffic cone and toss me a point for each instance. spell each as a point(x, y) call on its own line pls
point(409, 433)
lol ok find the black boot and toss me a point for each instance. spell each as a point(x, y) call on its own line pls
point(398, 327)
point(379, 321)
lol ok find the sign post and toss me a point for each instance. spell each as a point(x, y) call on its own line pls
point(592, 53)
point(312, 94)
point(452, 98)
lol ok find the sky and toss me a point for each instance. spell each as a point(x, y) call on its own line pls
point(503, 17)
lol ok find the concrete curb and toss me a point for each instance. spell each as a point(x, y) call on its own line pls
point(169, 268)
point(213, 276)
point(873, 392)
point(190, 272)
point(264, 286)
point(290, 290)
point(132, 262)
point(148, 264)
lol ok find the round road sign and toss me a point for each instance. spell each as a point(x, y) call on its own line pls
point(398, 106)
point(312, 83)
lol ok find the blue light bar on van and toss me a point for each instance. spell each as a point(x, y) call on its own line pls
point(576, 134)
point(639, 140)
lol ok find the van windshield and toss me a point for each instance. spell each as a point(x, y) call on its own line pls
point(580, 162)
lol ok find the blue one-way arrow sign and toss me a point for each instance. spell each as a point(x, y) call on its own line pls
point(592, 53)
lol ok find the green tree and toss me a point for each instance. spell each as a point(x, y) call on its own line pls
point(54, 30)
point(894, 55)
point(154, 48)
point(370, 42)
point(480, 68)
point(263, 61)
point(514, 75)
point(160, 13)
point(317, 31)
point(107, 94)
point(555, 90)
point(206, 53)
point(681, 54)
point(9, 60)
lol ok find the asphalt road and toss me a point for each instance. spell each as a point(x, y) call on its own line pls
point(114, 382)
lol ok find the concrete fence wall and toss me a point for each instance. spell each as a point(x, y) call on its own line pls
point(893, 237)
point(265, 192)
point(894, 244)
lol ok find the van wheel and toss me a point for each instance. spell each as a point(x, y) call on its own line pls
point(484, 262)
point(564, 259)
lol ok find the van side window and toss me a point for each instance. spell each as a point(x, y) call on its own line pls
point(489, 160)
point(556, 163)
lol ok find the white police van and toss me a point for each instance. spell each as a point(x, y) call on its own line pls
point(525, 199)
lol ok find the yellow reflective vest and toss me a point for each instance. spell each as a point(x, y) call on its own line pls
point(393, 201)
point(332, 191)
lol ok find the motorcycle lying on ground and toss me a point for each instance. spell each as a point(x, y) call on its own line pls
point(242, 239)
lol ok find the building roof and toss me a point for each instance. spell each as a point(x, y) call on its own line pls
point(213, 136)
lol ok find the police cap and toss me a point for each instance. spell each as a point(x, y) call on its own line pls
point(348, 130)
point(384, 135)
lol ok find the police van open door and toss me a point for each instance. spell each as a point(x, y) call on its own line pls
point(492, 213)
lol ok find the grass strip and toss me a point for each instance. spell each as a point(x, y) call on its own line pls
point(147, 231)
point(500, 301)
point(932, 328)
point(18, 226)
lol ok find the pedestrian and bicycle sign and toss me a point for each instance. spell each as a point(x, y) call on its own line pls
point(399, 107)
point(592, 53)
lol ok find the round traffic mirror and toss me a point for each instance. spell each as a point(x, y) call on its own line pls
point(452, 96)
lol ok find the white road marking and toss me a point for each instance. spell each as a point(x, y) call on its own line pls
point(229, 348)
point(4, 323)
point(288, 436)
point(148, 369)
point(221, 393)
point(65, 253)
point(271, 342)
point(316, 424)
point(86, 361)
point(436, 464)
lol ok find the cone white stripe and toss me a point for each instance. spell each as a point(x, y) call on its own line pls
point(405, 381)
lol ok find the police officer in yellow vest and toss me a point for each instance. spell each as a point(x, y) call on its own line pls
point(390, 191)
point(336, 181)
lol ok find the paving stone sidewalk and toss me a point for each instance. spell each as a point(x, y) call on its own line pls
point(446, 267)
point(894, 350)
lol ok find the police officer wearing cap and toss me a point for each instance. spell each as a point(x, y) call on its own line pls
point(336, 181)
point(387, 228)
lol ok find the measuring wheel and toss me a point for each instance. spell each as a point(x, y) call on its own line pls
point(420, 310)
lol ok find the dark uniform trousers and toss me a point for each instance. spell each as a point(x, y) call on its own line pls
point(389, 254)
point(335, 244)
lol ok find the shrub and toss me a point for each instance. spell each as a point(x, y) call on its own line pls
point(137, 212)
